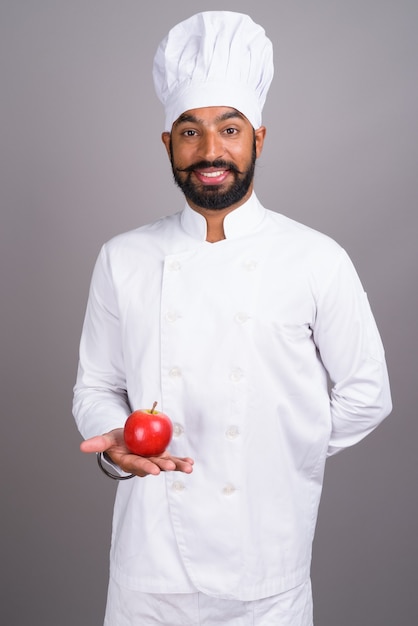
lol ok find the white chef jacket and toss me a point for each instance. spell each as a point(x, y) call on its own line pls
point(237, 341)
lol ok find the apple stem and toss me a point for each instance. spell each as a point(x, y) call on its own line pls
point(153, 407)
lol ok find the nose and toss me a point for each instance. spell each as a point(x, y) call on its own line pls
point(211, 146)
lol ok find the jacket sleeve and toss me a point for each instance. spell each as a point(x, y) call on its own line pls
point(351, 350)
point(100, 399)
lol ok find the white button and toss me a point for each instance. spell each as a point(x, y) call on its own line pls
point(177, 486)
point(241, 317)
point(172, 316)
point(228, 490)
point(174, 265)
point(236, 374)
point(232, 432)
point(250, 265)
point(177, 430)
point(175, 372)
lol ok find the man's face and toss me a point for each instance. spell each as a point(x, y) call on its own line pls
point(213, 152)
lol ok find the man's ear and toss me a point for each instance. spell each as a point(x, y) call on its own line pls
point(260, 135)
point(165, 138)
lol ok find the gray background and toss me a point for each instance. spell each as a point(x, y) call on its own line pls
point(81, 160)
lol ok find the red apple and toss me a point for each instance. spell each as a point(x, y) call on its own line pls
point(148, 432)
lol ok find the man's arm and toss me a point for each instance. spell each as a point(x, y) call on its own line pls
point(100, 402)
point(352, 352)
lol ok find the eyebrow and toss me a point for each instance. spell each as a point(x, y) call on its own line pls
point(188, 117)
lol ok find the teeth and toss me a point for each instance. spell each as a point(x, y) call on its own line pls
point(213, 174)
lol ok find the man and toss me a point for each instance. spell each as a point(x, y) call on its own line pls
point(234, 318)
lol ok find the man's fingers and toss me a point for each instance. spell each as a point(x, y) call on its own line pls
point(184, 465)
point(96, 444)
point(150, 465)
point(154, 465)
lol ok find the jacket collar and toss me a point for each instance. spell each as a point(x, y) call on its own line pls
point(242, 221)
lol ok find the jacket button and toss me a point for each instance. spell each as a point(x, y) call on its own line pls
point(174, 265)
point(232, 432)
point(250, 265)
point(172, 316)
point(228, 490)
point(177, 430)
point(236, 374)
point(241, 317)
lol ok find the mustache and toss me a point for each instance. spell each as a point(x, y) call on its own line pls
point(218, 164)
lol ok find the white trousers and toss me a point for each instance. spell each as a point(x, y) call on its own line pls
point(133, 608)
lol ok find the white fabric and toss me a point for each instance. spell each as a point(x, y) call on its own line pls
point(133, 608)
point(233, 340)
point(214, 58)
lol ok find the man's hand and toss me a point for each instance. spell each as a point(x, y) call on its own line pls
point(114, 445)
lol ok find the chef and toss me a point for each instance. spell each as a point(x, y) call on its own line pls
point(252, 332)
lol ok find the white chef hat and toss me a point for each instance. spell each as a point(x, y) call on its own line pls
point(214, 58)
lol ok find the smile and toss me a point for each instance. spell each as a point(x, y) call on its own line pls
point(213, 177)
point(213, 174)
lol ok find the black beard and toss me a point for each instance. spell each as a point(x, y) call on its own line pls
point(211, 197)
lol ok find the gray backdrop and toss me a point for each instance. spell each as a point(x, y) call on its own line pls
point(82, 161)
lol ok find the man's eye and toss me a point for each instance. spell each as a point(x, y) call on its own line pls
point(231, 131)
point(189, 133)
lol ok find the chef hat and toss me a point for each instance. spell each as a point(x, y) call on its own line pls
point(214, 58)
